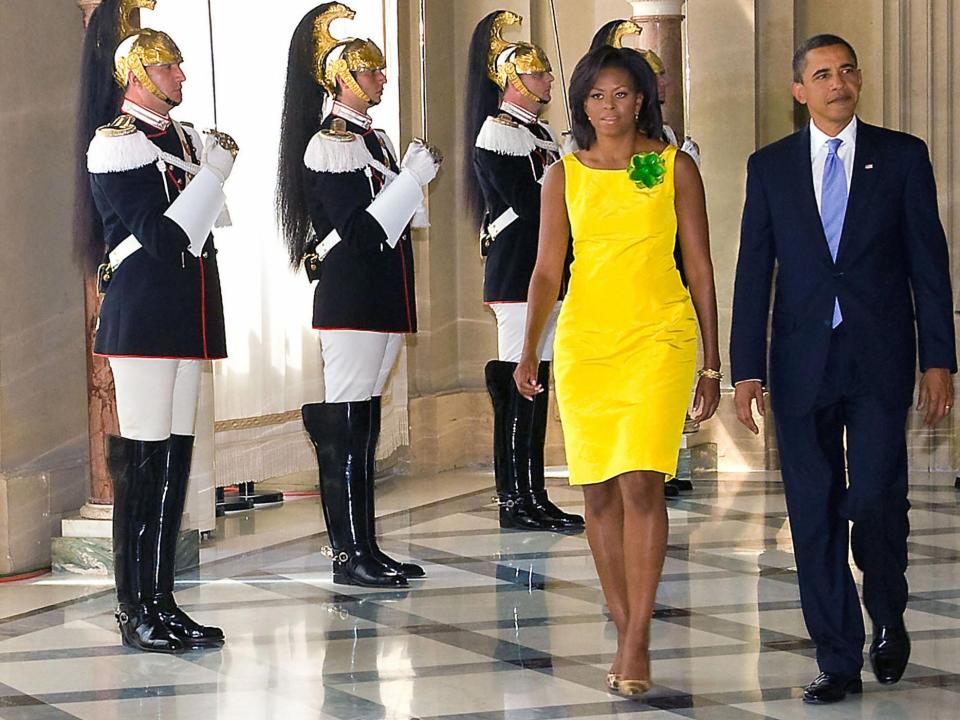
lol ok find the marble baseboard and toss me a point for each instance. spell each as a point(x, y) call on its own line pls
point(91, 555)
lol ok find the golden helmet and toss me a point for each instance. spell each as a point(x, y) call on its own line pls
point(142, 50)
point(625, 28)
point(339, 58)
point(507, 61)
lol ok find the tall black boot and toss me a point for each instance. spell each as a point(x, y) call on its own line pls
point(512, 419)
point(136, 467)
point(340, 433)
point(538, 436)
point(173, 496)
point(408, 570)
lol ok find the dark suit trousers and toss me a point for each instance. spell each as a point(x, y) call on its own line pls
point(823, 497)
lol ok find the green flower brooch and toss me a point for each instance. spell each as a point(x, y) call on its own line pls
point(646, 170)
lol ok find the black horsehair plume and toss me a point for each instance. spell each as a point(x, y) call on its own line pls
point(302, 113)
point(483, 100)
point(99, 104)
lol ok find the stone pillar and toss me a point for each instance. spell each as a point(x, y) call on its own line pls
point(101, 407)
point(661, 21)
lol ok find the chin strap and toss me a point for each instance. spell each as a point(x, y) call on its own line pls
point(514, 79)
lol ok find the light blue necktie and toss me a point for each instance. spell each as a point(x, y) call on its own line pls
point(833, 207)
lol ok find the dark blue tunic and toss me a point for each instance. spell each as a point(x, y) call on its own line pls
point(162, 301)
point(509, 181)
point(364, 283)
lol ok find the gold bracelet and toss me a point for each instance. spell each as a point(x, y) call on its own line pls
point(710, 373)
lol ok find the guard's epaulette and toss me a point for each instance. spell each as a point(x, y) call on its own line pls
point(504, 136)
point(336, 151)
point(119, 147)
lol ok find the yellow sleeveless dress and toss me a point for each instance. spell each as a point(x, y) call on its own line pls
point(626, 345)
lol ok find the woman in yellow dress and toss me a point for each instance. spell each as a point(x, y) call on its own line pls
point(626, 342)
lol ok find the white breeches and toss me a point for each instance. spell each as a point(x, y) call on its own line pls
point(512, 321)
point(356, 363)
point(156, 397)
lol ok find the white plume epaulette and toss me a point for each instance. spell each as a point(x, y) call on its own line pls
point(505, 137)
point(334, 151)
point(119, 147)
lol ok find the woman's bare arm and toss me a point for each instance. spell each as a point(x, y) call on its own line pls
point(547, 276)
point(691, 208)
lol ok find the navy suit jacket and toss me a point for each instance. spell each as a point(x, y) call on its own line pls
point(892, 273)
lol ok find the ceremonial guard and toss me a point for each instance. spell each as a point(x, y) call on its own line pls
point(345, 208)
point(156, 186)
point(508, 150)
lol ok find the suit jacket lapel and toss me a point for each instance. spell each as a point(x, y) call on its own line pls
point(805, 194)
point(862, 185)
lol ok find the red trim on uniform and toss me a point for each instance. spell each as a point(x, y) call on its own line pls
point(156, 135)
point(173, 178)
point(203, 306)
point(406, 291)
point(157, 357)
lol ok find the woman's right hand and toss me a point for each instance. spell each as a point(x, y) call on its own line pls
point(525, 376)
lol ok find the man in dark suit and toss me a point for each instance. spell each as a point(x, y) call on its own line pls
point(847, 214)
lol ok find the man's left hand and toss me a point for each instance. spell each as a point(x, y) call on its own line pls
point(936, 395)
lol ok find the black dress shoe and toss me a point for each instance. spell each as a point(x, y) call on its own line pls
point(831, 688)
point(681, 485)
point(889, 652)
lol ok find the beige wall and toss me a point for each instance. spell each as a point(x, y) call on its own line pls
point(43, 421)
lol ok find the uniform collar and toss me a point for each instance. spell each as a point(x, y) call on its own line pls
point(524, 116)
point(160, 122)
point(348, 113)
point(818, 138)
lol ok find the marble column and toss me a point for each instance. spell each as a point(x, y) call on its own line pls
point(101, 407)
point(661, 21)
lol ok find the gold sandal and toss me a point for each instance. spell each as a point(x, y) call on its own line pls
point(632, 688)
point(613, 682)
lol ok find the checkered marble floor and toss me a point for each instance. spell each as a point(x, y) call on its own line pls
point(508, 625)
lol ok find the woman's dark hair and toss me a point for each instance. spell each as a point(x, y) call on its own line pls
point(649, 122)
point(302, 109)
point(483, 100)
point(100, 98)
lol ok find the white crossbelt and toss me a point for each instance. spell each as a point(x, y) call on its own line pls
point(333, 237)
point(179, 162)
point(506, 218)
point(327, 244)
point(127, 247)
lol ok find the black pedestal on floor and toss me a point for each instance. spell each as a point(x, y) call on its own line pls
point(248, 492)
point(231, 502)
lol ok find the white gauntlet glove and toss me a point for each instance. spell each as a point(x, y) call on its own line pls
point(419, 161)
point(217, 158)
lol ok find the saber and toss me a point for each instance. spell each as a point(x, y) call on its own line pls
point(563, 81)
point(423, 69)
point(213, 63)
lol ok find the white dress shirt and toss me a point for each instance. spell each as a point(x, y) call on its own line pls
point(818, 153)
point(818, 156)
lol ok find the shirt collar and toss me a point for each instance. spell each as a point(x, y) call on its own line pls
point(818, 138)
point(524, 116)
point(160, 122)
point(348, 113)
